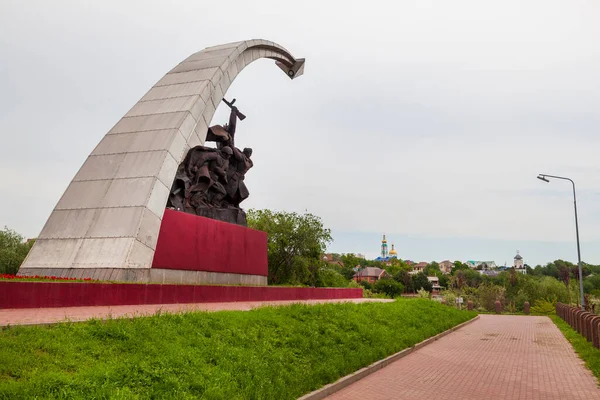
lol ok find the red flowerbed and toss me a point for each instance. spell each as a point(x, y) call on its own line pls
point(40, 278)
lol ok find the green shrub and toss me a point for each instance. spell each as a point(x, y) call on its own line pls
point(449, 296)
point(422, 293)
point(370, 294)
point(328, 277)
point(472, 294)
point(544, 307)
point(366, 284)
point(389, 286)
point(489, 294)
point(354, 285)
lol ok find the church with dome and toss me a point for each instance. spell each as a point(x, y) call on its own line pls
point(385, 255)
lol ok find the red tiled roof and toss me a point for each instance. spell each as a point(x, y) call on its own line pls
point(370, 272)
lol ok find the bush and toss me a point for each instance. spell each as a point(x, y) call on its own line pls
point(534, 289)
point(328, 277)
point(422, 293)
point(544, 307)
point(489, 294)
point(366, 284)
point(471, 293)
point(369, 294)
point(354, 285)
point(449, 296)
point(389, 286)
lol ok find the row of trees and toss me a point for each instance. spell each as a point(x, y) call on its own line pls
point(296, 242)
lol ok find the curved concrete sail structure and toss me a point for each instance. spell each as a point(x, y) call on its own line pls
point(106, 224)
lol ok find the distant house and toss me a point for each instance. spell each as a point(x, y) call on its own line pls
point(446, 266)
point(371, 274)
point(327, 257)
point(435, 285)
point(417, 268)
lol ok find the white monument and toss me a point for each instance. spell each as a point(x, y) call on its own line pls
point(106, 224)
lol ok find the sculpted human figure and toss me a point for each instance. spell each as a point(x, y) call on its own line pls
point(225, 135)
point(210, 182)
point(209, 170)
point(237, 191)
point(201, 179)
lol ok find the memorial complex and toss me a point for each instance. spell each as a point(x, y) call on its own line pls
point(110, 222)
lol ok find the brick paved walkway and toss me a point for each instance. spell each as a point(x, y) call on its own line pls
point(496, 357)
point(37, 316)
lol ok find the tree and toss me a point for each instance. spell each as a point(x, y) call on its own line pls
point(459, 266)
point(295, 242)
point(13, 251)
point(388, 286)
point(432, 269)
point(350, 261)
point(404, 278)
point(420, 281)
point(328, 277)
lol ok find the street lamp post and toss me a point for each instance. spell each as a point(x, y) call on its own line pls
point(544, 177)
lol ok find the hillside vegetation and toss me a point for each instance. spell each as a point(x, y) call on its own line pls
point(267, 353)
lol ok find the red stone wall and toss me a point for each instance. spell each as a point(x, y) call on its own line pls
point(76, 294)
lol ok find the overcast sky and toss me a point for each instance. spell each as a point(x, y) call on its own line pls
point(426, 120)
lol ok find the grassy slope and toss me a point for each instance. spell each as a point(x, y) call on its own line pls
point(268, 353)
point(586, 351)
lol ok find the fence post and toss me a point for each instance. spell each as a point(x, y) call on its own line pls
point(498, 307)
point(596, 329)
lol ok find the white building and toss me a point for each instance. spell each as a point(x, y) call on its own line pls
point(518, 264)
point(483, 264)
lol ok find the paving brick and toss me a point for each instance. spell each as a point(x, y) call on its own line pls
point(496, 357)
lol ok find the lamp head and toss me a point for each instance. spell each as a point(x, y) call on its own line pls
point(543, 178)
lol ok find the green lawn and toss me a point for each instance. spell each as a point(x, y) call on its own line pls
point(586, 351)
point(268, 353)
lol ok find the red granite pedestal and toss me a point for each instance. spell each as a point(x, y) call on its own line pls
point(193, 254)
point(194, 249)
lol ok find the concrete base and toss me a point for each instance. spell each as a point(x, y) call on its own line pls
point(149, 275)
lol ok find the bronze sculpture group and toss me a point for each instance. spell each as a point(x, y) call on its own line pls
point(210, 181)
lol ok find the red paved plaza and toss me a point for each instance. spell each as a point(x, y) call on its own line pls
point(496, 357)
